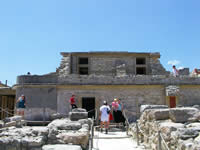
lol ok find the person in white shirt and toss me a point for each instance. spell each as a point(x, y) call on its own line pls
point(104, 116)
point(175, 71)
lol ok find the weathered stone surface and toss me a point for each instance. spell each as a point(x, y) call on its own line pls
point(14, 118)
point(159, 114)
point(85, 121)
point(184, 133)
point(60, 131)
point(74, 116)
point(145, 107)
point(57, 116)
point(186, 144)
point(27, 137)
point(182, 115)
point(79, 110)
point(167, 127)
point(172, 90)
point(40, 131)
point(10, 124)
point(58, 122)
point(76, 138)
point(70, 126)
point(1, 124)
point(65, 124)
point(65, 131)
point(61, 147)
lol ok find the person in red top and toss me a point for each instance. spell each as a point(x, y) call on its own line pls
point(72, 102)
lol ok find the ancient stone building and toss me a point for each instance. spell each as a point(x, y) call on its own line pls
point(135, 78)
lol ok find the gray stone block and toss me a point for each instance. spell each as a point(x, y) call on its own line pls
point(79, 110)
point(183, 115)
point(185, 134)
point(159, 114)
point(145, 107)
point(74, 116)
point(57, 116)
point(14, 118)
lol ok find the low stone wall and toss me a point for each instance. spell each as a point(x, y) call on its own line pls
point(93, 79)
point(179, 127)
point(60, 131)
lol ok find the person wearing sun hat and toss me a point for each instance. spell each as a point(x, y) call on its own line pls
point(115, 106)
point(104, 116)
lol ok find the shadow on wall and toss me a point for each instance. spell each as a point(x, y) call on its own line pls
point(39, 114)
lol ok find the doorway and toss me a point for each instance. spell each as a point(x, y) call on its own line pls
point(172, 101)
point(88, 103)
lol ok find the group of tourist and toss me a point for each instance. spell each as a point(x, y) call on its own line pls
point(107, 114)
point(115, 113)
point(175, 71)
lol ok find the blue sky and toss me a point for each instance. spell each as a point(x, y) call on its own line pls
point(33, 33)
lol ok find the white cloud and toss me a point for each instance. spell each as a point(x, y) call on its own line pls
point(179, 68)
point(173, 62)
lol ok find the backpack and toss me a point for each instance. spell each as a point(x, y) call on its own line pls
point(108, 111)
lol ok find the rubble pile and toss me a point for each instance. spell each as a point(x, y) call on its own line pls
point(12, 121)
point(179, 127)
point(59, 133)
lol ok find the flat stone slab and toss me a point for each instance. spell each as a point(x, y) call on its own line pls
point(182, 115)
point(159, 114)
point(14, 118)
point(145, 107)
point(61, 147)
point(79, 110)
point(74, 116)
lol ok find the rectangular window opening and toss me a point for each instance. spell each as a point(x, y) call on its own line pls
point(83, 61)
point(141, 70)
point(83, 70)
point(140, 61)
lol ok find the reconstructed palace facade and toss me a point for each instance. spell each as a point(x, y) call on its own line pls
point(135, 78)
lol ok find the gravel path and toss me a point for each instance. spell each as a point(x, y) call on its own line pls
point(114, 141)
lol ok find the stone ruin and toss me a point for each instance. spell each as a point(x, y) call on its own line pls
point(179, 127)
point(63, 133)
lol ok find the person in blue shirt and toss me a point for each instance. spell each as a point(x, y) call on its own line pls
point(120, 112)
point(21, 105)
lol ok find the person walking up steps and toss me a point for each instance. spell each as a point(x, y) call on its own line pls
point(104, 116)
point(72, 102)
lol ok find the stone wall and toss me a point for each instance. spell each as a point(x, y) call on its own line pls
point(65, 66)
point(41, 100)
point(179, 127)
point(189, 95)
point(59, 131)
point(132, 98)
point(156, 67)
point(75, 79)
point(38, 99)
point(106, 64)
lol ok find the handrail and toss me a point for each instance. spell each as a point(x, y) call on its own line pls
point(127, 122)
point(7, 109)
point(4, 110)
point(166, 146)
point(126, 118)
point(95, 117)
